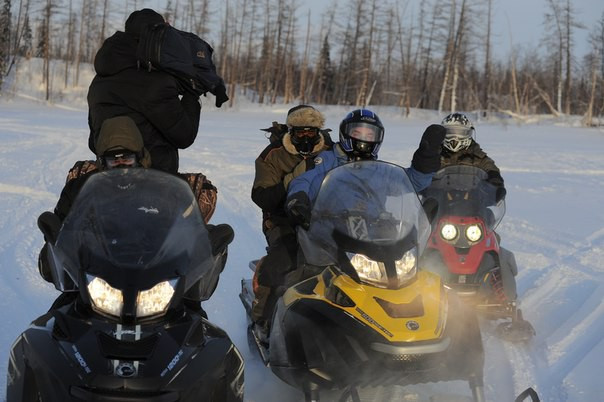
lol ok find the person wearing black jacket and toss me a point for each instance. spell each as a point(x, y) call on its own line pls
point(120, 145)
point(460, 148)
point(166, 114)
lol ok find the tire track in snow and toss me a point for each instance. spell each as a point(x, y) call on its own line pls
point(571, 287)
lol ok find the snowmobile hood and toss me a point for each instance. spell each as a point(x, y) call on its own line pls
point(117, 53)
point(135, 228)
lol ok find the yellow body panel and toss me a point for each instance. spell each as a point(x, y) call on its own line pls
point(426, 285)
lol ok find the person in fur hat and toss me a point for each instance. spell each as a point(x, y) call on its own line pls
point(279, 163)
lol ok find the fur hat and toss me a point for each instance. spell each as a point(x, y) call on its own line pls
point(140, 19)
point(305, 116)
point(122, 133)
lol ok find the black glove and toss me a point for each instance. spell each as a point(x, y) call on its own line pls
point(49, 224)
point(500, 194)
point(277, 131)
point(298, 208)
point(220, 93)
point(426, 158)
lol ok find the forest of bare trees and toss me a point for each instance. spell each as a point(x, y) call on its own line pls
point(433, 54)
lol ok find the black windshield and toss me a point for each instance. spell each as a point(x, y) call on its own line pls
point(134, 227)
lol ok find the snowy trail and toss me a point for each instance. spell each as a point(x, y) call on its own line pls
point(559, 244)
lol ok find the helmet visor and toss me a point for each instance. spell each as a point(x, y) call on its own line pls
point(365, 132)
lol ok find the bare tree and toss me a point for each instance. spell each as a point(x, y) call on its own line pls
point(487, 60)
point(595, 60)
point(5, 30)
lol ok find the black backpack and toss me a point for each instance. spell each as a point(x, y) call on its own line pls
point(182, 54)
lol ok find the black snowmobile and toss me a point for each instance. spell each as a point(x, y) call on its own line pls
point(361, 312)
point(133, 247)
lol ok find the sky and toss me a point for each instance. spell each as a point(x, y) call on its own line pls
point(514, 21)
point(554, 175)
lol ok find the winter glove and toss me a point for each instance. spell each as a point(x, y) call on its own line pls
point(277, 132)
point(426, 158)
point(500, 194)
point(327, 137)
point(49, 224)
point(220, 93)
point(302, 167)
point(298, 208)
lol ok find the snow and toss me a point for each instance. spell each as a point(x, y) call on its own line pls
point(554, 172)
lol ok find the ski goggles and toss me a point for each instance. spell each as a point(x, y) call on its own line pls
point(459, 132)
point(301, 132)
point(120, 158)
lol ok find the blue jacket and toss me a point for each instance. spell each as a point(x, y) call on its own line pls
point(310, 181)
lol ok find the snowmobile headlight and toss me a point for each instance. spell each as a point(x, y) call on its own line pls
point(156, 299)
point(473, 233)
point(368, 270)
point(448, 231)
point(406, 267)
point(104, 297)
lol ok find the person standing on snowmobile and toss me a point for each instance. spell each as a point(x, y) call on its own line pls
point(361, 135)
point(291, 152)
point(166, 114)
point(460, 148)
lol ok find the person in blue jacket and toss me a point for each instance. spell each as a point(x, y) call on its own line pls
point(361, 135)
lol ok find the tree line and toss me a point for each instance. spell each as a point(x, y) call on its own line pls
point(433, 54)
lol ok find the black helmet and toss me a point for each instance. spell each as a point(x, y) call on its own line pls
point(361, 134)
point(459, 132)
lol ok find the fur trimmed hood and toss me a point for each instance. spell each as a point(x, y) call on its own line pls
point(305, 116)
point(291, 148)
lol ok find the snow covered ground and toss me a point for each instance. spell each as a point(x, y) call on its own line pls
point(554, 174)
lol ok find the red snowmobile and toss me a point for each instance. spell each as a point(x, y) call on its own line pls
point(464, 247)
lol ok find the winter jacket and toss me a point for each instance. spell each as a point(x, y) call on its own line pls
point(151, 99)
point(473, 156)
point(276, 166)
point(310, 182)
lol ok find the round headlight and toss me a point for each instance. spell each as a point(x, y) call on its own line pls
point(473, 233)
point(448, 231)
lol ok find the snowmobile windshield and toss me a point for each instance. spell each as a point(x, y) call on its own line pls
point(134, 228)
point(361, 207)
point(463, 191)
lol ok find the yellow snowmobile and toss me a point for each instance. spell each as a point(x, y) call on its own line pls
point(361, 313)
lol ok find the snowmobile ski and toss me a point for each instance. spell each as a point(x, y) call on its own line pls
point(247, 297)
point(517, 330)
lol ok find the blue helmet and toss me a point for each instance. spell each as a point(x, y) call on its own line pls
point(361, 134)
